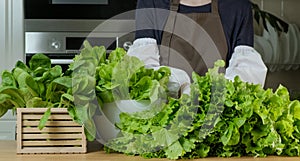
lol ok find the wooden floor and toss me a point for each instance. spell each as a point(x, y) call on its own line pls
point(8, 153)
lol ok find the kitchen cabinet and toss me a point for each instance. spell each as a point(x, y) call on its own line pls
point(8, 126)
point(11, 50)
point(11, 33)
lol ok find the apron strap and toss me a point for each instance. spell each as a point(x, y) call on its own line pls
point(214, 7)
point(170, 24)
point(174, 5)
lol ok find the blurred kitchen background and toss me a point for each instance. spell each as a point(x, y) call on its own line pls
point(58, 27)
point(280, 50)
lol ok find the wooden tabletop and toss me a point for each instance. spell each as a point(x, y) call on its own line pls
point(8, 153)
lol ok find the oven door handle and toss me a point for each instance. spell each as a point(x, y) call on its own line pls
point(61, 61)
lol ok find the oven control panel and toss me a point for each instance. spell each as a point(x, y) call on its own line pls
point(62, 43)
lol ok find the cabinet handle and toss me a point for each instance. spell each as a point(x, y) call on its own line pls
point(61, 61)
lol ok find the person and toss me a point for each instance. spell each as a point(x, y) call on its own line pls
point(192, 34)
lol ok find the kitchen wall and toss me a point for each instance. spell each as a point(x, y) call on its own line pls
point(287, 10)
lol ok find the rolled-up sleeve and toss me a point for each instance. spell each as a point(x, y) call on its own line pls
point(151, 17)
point(245, 33)
point(144, 19)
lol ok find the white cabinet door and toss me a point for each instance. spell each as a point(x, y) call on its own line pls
point(11, 33)
point(2, 30)
point(11, 50)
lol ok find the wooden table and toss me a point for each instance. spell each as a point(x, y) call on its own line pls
point(8, 153)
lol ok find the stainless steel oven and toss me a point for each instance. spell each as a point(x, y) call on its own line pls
point(76, 9)
point(61, 47)
point(57, 28)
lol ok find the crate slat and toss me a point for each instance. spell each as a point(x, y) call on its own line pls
point(35, 150)
point(52, 136)
point(52, 117)
point(60, 134)
point(52, 143)
point(52, 130)
point(50, 123)
point(41, 110)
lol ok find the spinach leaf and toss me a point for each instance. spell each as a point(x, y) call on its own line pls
point(8, 79)
point(5, 104)
point(44, 118)
point(39, 60)
point(36, 86)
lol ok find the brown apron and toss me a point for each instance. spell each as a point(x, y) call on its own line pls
point(193, 41)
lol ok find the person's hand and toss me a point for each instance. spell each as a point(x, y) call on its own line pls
point(247, 63)
point(182, 81)
point(147, 51)
point(179, 82)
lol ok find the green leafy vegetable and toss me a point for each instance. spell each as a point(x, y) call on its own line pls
point(98, 79)
point(220, 118)
point(38, 85)
point(44, 119)
point(39, 61)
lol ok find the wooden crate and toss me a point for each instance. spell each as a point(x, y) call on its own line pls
point(60, 135)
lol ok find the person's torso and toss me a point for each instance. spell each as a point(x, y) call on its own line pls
point(230, 15)
point(193, 41)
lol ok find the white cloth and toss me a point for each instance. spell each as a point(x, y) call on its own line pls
point(247, 63)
